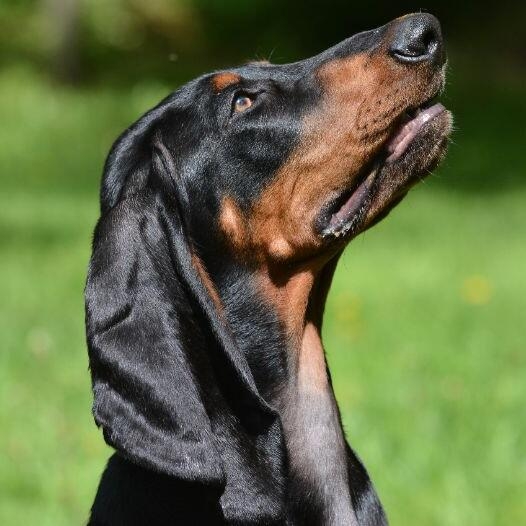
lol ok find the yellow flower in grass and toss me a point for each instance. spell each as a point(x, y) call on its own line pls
point(476, 290)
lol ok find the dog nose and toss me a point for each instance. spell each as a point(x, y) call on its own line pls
point(418, 38)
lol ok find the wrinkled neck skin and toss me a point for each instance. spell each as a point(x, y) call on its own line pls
point(276, 317)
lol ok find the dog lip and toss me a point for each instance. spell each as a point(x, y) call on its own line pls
point(352, 204)
point(345, 212)
point(403, 136)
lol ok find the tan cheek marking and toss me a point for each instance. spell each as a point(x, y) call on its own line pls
point(280, 249)
point(253, 238)
point(223, 80)
point(233, 227)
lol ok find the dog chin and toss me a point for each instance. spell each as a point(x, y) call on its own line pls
point(394, 179)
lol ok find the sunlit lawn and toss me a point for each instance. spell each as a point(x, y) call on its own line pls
point(424, 328)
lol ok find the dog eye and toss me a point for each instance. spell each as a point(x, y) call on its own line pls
point(242, 103)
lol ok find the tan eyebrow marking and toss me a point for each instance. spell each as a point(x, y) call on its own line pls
point(223, 80)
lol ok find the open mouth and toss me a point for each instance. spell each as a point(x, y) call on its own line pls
point(412, 124)
point(345, 213)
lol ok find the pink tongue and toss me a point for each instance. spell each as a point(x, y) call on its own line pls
point(403, 137)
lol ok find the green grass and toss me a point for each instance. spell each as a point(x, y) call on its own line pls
point(423, 330)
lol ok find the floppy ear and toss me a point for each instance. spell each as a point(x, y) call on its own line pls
point(171, 390)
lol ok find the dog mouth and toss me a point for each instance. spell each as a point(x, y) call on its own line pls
point(412, 123)
point(344, 214)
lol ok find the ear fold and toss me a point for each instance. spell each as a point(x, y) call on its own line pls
point(128, 163)
point(172, 391)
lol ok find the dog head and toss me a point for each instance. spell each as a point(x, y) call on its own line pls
point(296, 159)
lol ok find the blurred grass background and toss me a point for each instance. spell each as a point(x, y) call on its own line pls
point(425, 322)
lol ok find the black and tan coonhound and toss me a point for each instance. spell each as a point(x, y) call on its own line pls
point(223, 213)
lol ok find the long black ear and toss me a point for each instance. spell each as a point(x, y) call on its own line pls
point(171, 390)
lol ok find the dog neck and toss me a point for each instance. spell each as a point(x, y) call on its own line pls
point(308, 409)
point(295, 298)
point(276, 317)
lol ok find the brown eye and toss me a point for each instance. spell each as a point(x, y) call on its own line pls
point(242, 103)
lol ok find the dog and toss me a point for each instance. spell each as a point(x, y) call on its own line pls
point(224, 211)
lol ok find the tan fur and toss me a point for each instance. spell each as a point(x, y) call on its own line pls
point(289, 295)
point(223, 80)
point(233, 226)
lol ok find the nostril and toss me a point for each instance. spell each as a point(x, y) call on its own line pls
point(429, 41)
point(416, 44)
point(417, 38)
